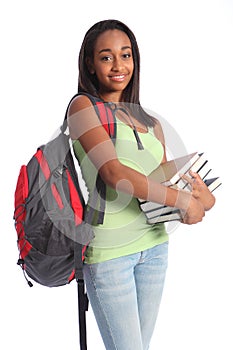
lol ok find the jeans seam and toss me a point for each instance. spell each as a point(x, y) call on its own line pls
point(100, 302)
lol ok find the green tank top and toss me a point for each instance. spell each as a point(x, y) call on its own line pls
point(124, 230)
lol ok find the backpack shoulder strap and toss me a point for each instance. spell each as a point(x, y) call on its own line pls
point(105, 114)
point(104, 111)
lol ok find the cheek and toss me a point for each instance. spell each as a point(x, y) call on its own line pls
point(100, 74)
point(131, 68)
point(101, 70)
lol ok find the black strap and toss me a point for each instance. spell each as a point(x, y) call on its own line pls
point(82, 296)
point(82, 308)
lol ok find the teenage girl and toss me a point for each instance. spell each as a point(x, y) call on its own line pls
point(125, 264)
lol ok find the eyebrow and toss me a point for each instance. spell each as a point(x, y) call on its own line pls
point(109, 50)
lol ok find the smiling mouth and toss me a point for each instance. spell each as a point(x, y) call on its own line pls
point(119, 77)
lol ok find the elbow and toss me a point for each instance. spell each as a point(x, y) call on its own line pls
point(112, 172)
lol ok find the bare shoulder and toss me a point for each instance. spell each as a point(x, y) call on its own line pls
point(158, 131)
point(81, 116)
point(80, 102)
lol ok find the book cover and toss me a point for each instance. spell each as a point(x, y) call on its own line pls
point(168, 173)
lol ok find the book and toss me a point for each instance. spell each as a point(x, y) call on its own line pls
point(196, 167)
point(201, 167)
point(168, 173)
point(200, 162)
point(149, 207)
point(204, 171)
point(157, 211)
point(213, 183)
point(166, 213)
point(172, 216)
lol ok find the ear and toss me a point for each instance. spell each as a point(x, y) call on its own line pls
point(90, 65)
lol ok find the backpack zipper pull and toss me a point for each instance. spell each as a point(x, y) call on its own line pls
point(20, 262)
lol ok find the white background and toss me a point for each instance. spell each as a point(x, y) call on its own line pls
point(186, 77)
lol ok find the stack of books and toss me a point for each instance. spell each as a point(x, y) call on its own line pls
point(170, 174)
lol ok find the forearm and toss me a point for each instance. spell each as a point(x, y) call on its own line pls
point(128, 180)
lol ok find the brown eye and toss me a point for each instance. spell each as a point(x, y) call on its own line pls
point(106, 58)
point(126, 55)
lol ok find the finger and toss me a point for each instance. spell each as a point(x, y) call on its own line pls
point(196, 178)
point(194, 175)
point(187, 178)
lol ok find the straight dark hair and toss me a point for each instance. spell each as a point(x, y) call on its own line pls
point(88, 82)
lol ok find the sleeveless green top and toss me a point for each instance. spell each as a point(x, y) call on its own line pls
point(124, 230)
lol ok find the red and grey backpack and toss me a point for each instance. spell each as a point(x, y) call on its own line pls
point(53, 227)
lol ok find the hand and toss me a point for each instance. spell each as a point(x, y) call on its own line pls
point(194, 213)
point(199, 190)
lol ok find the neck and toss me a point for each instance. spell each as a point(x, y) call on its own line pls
point(115, 96)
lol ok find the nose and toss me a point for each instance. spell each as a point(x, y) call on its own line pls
point(117, 64)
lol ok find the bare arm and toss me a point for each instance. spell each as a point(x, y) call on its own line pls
point(85, 126)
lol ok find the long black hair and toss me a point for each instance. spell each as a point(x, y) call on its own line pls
point(88, 82)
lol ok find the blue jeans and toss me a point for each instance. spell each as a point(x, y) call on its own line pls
point(125, 295)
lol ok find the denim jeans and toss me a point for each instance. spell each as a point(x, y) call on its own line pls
point(125, 295)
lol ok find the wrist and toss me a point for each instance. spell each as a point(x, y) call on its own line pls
point(183, 200)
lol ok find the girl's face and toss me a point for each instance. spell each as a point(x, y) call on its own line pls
point(113, 62)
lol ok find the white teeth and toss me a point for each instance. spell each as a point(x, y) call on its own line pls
point(118, 76)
